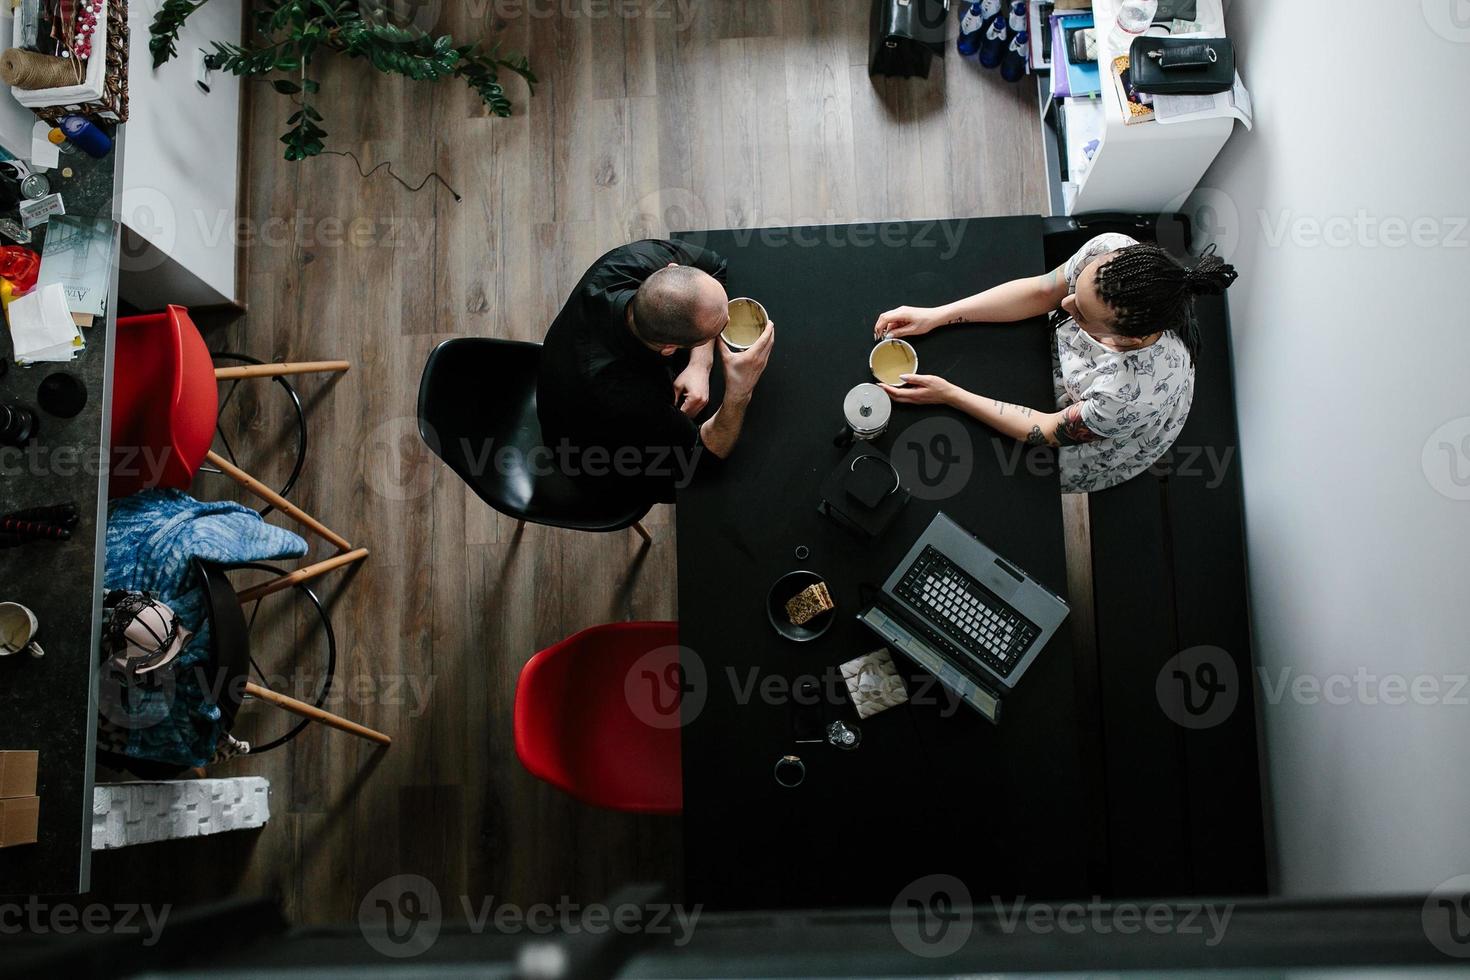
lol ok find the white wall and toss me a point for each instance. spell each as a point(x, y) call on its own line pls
point(1349, 355)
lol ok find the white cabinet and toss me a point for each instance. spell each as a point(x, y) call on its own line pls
point(181, 166)
point(1145, 168)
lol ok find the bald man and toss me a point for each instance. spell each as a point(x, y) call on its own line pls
point(626, 364)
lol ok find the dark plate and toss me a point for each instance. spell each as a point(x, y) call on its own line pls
point(787, 587)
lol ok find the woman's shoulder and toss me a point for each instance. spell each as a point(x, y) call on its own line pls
point(1092, 250)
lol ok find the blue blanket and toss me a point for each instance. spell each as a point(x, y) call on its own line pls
point(153, 538)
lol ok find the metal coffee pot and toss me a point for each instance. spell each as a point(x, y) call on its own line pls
point(866, 410)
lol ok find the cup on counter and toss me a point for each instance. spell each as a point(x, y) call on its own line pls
point(18, 629)
point(891, 359)
point(748, 321)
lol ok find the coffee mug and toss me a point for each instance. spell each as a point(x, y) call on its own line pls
point(18, 627)
point(748, 321)
point(891, 358)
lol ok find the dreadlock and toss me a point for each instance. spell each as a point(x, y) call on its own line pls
point(1150, 290)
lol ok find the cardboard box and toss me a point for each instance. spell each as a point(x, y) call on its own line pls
point(18, 820)
point(17, 774)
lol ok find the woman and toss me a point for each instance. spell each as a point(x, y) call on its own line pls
point(1123, 362)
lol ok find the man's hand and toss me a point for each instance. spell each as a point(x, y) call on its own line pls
point(922, 389)
point(906, 321)
point(691, 388)
point(743, 369)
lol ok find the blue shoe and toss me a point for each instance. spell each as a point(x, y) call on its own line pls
point(1013, 66)
point(976, 17)
point(994, 46)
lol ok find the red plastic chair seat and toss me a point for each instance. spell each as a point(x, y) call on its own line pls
point(165, 402)
point(597, 716)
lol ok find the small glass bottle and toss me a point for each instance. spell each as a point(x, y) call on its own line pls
point(1134, 18)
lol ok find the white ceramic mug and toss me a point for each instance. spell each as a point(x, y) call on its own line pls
point(761, 317)
point(18, 628)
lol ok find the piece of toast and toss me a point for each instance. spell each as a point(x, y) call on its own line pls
point(809, 603)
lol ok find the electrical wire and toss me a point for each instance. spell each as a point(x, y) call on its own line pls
point(387, 163)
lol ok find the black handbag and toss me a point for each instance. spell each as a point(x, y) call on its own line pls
point(1182, 66)
point(906, 35)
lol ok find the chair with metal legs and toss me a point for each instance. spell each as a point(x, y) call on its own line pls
point(165, 411)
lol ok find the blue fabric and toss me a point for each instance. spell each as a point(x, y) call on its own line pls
point(153, 538)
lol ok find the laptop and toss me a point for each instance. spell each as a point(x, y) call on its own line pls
point(965, 614)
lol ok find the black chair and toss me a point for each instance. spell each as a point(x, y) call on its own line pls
point(230, 634)
point(228, 670)
point(478, 398)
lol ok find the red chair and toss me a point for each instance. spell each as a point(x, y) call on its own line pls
point(165, 405)
point(597, 716)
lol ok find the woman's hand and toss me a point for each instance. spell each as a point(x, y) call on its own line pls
point(906, 321)
point(923, 389)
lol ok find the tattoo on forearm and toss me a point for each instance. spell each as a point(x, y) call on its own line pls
point(1035, 438)
point(1071, 430)
point(1022, 410)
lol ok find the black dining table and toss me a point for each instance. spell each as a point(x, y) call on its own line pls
point(932, 788)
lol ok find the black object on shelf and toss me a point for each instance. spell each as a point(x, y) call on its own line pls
point(905, 36)
point(17, 424)
point(62, 395)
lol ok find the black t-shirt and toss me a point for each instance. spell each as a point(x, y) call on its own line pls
point(599, 386)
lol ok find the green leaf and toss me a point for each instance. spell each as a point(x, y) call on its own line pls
point(285, 86)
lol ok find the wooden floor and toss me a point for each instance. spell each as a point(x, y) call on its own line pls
point(746, 114)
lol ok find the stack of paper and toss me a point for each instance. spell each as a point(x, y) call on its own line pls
point(41, 326)
point(78, 256)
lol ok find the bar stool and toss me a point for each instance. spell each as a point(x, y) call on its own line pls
point(165, 407)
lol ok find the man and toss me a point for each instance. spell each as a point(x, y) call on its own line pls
point(626, 364)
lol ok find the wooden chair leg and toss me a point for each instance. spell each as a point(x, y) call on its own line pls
point(643, 532)
point(280, 368)
point(315, 714)
point(276, 500)
point(301, 575)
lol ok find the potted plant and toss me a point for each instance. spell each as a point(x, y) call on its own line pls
point(290, 33)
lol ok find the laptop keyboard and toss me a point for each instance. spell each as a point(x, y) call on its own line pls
point(975, 619)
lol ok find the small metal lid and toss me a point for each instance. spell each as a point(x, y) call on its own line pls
point(867, 408)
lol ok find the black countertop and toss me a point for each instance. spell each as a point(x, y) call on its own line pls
point(50, 704)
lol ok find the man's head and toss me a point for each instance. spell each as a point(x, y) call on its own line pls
point(679, 307)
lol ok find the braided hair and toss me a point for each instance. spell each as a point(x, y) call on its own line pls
point(1150, 290)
